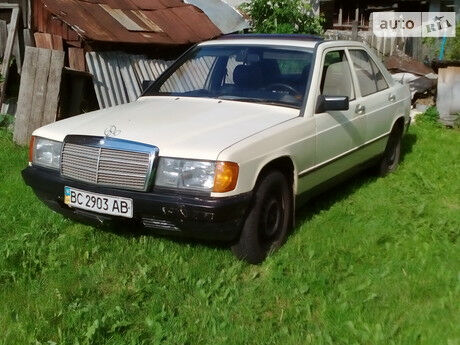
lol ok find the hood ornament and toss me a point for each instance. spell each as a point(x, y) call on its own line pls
point(112, 131)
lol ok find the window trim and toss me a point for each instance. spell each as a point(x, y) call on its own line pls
point(323, 58)
point(355, 76)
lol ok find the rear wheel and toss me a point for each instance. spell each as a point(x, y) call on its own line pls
point(392, 154)
point(267, 224)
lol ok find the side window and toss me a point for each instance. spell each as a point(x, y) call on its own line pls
point(370, 77)
point(336, 78)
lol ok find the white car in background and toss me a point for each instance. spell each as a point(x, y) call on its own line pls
point(225, 144)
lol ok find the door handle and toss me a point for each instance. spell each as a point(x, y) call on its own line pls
point(392, 98)
point(360, 109)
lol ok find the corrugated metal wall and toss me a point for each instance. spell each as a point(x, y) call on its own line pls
point(118, 76)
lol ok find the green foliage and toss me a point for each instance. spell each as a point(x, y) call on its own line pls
point(452, 48)
point(431, 116)
point(375, 261)
point(6, 120)
point(283, 16)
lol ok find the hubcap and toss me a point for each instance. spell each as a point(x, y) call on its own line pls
point(393, 154)
point(271, 218)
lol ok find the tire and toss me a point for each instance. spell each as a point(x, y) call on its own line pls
point(392, 153)
point(268, 221)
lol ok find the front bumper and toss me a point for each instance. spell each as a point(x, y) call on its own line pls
point(194, 216)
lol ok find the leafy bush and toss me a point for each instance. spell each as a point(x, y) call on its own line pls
point(6, 120)
point(452, 48)
point(283, 16)
point(430, 116)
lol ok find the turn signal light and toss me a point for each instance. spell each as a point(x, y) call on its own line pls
point(225, 177)
point(31, 149)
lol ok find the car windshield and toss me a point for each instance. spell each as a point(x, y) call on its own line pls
point(261, 74)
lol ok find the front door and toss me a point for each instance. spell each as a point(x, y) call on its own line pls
point(338, 132)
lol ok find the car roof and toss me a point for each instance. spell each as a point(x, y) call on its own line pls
point(296, 40)
point(305, 41)
point(291, 37)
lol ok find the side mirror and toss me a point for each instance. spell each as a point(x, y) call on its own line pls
point(327, 103)
point(146, 84)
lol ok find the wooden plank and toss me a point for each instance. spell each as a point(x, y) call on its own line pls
point(76, 44)
point(24, 4)
point(354, 31)
point(40, 86)
point(26, 91)
point(17, 51)
point(37, 12)
point(8, 6)
point(77, 59)
point(53, 87)
point(8, 50)
point(3, 36)
point(57, 43)
point(29, 40)
point(48, 41)
point(43, 40)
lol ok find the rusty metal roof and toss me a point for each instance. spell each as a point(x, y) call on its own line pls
point(135, 21)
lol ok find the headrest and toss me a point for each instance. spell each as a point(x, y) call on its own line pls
point(338, 80)
point(247, 76)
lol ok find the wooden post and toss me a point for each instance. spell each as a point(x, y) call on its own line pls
point(9, 46)
point(3, 36)
point(354, 31)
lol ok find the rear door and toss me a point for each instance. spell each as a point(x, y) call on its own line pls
point(376, 99)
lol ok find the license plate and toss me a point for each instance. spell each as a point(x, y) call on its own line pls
point(106, 204)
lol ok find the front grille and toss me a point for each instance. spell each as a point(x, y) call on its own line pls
point(106, 166)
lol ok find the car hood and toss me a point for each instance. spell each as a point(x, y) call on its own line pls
point(197, 128)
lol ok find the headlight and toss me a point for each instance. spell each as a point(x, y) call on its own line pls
point(45, 152)
point(208, 176)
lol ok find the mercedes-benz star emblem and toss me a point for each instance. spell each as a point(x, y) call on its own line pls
point(112, 131)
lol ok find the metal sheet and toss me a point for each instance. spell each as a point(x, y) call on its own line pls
point(118, 77)
point(404, 63)
point(126, 21)
point(123, 19)
point(223, 15)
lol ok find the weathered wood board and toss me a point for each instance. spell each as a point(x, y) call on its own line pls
point(39, 91)
point(12, 27)
point(77, 59)
point(48, 41)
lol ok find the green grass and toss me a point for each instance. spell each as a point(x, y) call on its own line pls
point(375, 261)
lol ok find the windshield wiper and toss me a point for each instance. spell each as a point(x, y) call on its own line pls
point(257, 100)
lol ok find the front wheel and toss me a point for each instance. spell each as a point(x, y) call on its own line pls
point(267, 224)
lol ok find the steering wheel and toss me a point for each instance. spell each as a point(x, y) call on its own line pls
point(281, 86)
